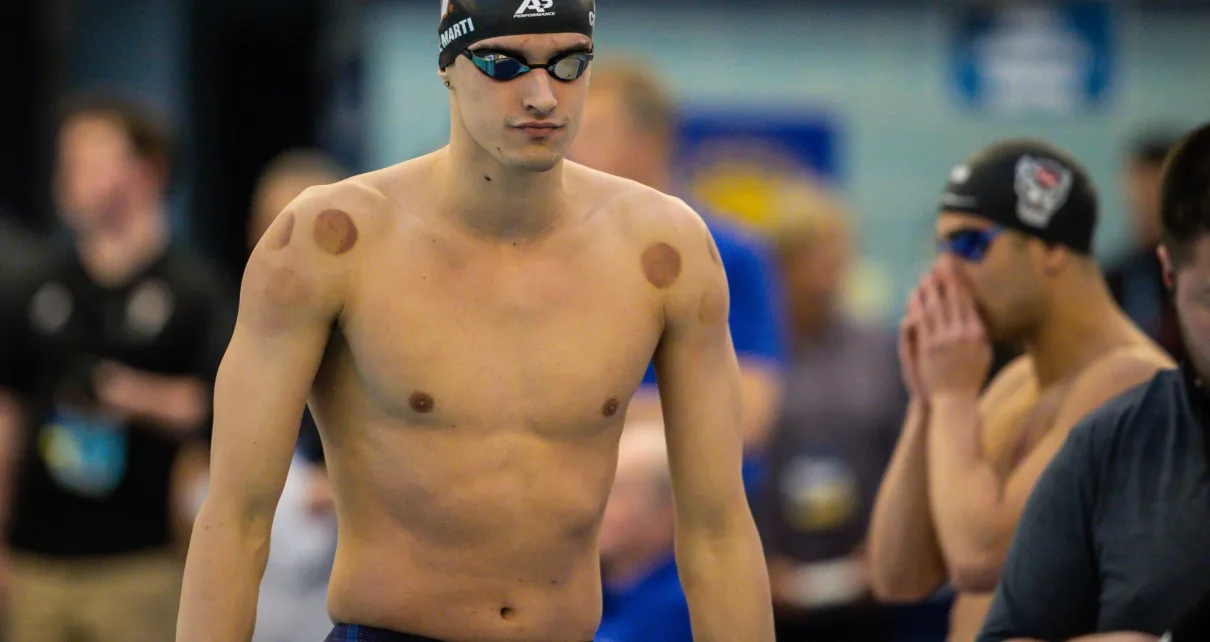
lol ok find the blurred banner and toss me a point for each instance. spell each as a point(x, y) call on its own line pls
point(736, 161)
point(1051, 59)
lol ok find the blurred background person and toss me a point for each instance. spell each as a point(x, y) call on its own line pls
point(20, 252)
point(111, 354)
point(1136, 278)
point(293, 593)
point(843, 407)
point(629, 130)
point(643, 598)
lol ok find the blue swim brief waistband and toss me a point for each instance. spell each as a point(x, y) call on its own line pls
point(358, 633)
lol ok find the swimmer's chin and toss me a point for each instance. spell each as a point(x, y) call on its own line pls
point(539, 161)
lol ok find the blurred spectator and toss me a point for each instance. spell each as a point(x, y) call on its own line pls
point(294, 589)
point(838, 427)
point(110, 353)
point(1136, 279)
point(643, 599)
point(20, 253)
point(628, 130)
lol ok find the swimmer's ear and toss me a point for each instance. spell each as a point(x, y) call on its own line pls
point(1054, 257)
point(443, 74)
point(1166, 267)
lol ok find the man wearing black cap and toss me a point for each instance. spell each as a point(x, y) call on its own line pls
point(1016, 229)
point(469, 327)
point(1112, 544)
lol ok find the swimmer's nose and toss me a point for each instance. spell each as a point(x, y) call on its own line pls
point(540, 98)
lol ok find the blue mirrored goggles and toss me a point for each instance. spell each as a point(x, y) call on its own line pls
point(969, 244)
point(498, 66)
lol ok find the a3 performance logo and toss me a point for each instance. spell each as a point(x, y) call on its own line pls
point(534, 8)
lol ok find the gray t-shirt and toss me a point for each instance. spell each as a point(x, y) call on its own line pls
point(1116, 535)
point(843, 409)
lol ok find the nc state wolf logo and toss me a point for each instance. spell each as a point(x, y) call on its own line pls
point(1042, 187)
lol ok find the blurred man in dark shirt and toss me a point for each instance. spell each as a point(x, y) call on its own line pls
point(107, 358)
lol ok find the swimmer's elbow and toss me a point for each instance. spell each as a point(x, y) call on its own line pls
point(232, 518)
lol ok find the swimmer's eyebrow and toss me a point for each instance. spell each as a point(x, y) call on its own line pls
point(520, 55)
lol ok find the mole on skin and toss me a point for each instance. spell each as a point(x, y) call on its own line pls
point(335, 232)
point(421, 402)
point(506, 613)
point(281, 238)
point(661, 265)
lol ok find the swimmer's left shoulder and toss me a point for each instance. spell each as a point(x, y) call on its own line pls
point(648, 216)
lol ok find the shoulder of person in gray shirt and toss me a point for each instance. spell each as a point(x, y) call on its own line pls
point(1113, 537)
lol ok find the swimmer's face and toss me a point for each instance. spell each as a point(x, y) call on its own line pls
point(527, 122)
point(1006, 279)
point(1191, 293)
point(95, 171)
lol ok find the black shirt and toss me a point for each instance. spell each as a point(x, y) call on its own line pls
point(88, 485)
point(1113, 537)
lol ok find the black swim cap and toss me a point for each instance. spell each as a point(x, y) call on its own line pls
point(465, 22)
point(1028, 186)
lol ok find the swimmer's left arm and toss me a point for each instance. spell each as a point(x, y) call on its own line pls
point(721, 563)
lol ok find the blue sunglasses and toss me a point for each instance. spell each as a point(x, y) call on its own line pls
point(969, 244)
point(498, 66)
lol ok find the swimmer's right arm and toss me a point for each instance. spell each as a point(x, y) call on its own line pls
point(905, 559)
point(290, 296)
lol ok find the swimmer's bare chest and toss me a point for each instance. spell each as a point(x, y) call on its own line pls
point(460, 366)
point(470, 402)
point(502, 334)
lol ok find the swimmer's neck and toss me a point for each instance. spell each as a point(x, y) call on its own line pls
point(497, 202)
point(1083, 325)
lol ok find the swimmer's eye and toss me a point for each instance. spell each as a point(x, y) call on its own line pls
point(566, 67)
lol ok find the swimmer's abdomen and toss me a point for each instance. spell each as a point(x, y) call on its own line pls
point(450, 529)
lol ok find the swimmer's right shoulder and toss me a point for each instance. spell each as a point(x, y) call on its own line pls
point(302, 264)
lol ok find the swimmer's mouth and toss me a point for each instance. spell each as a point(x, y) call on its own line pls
point(537, 126)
